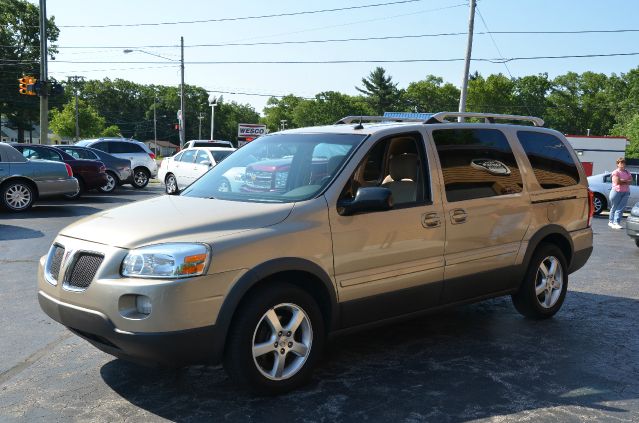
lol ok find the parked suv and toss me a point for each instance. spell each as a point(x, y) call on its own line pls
point(141, 157)
point(411, 216)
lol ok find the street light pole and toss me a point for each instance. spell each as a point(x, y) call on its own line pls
point(44, 92)
point(199, 131)
point(213, 104)
point(183, 119)
point(155, 126)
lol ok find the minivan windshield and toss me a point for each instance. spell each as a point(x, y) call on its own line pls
point(277, 168)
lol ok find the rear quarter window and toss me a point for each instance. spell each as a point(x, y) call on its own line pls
point(551, 160)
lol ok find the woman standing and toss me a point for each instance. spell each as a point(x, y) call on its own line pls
point(621, 180)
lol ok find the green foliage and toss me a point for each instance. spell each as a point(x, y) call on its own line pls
point(494, 94)
point(280, 109)
point(91, 124)
point(629, 129)
point(111, 131)
point(381, 93)
point(431, 95)
point(20, 42)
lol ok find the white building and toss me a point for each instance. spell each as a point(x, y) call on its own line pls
point(598, 154)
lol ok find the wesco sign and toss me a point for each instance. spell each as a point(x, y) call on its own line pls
point(249, 130)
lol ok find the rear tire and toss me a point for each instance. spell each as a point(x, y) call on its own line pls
point(17, 196)
point(170, 185)
point(275, 340)
point(112, 183)
point(140, 178)
point(600, 203)
point(544, 287)
point(637, 242)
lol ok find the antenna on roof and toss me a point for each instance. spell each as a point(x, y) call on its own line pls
point(359, 125)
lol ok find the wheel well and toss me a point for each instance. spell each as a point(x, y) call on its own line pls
point(143, 168)
point(560, 242)
point(117, 179)
point(303, 280)
point(25, 180)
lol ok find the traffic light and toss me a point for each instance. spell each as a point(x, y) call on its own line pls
point(26, 86)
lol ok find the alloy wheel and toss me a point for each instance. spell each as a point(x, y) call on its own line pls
point(282, 341)
point(549, 282)
point(171, 185)
point(110, 184)
point(140, 178)
point(18, 197)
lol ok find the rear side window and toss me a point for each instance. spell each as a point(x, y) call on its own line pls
point(476, 163)
point(551, 161)
point(124, 148)
point(103, 146)
point(220, 155)
point(188, 156)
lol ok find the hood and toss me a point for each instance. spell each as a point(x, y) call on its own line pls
point(175, 218)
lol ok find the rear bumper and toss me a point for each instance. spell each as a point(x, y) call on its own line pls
point(582, 241)
point(94, 180)
point(57, 187)
point(632, 226)
point(192, 346)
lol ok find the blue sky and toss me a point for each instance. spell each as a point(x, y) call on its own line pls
point(416, 18)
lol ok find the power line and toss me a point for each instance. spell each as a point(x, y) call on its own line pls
point(320, 62)
point(242, 18)
point(338, 40)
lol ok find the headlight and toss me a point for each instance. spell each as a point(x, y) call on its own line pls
point(280, 179)
point(175, 260)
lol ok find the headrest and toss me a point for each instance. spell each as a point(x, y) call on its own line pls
point(403, 166)
point(332, 164)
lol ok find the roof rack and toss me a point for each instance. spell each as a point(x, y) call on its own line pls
point(488, 117)
point(356, 119)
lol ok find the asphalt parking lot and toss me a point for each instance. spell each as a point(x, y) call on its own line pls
point(481, 362)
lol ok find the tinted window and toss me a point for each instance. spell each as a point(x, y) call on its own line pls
point(124, 148)
point(104, 146)
point(188, 156)
point(476, 163)
point(550, 159)
point(73, 153)
point(41, 154)
point(607, 179)
point(220, 155)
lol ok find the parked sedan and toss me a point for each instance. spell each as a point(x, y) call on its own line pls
point(632, 224)
point(182, 169)
point(23, 181)
point(601, 185)
point(90, 174)
point(118, 170)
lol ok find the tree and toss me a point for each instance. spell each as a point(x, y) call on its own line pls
point(494, 94)
point(630, 130)
point(381, 93)
point(90, 122)
point(277, 110)
point(20, 52)
point(431, 95)
point(328, 107)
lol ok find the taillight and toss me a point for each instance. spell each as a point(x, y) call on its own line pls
point(151, 155)
point(102, 169)
point(591, 206)
point(69, 170)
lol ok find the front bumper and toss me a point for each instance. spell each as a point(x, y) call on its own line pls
point(177, 348)
point(180, 329)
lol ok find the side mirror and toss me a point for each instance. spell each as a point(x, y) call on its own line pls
point(368, 199)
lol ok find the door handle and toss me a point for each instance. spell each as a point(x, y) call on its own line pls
point(431, 220)
point(458, 216)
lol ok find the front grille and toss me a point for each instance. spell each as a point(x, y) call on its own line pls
point(259, 179)
point(56, 261)
point(84, 269)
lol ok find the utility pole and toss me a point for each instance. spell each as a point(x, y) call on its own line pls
point(183, 118)
point(469, 49)
point(155, 126)
point(199, 131)
point(75, 80)
point(44, 92)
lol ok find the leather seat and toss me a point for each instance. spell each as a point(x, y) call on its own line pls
point(402, 180)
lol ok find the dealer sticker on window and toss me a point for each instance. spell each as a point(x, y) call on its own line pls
point(492, 166)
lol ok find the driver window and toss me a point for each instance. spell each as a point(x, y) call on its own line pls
point(396, 163)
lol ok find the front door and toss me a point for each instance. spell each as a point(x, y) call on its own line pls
point(487, 211)
point(390, 262)
point(184, 168)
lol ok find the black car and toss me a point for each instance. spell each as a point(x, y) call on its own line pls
point(118, 170)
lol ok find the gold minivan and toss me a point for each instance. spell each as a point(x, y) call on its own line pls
point(332, 228)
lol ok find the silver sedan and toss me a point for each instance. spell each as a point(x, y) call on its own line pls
point(23, 181)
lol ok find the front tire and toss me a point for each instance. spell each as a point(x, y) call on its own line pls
point(17, 196)
point(141, 177)
point(275, 340)
point(111, 185)
point(599, 202)
point(637, 242)
point(170, 185)
point(544, 287)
